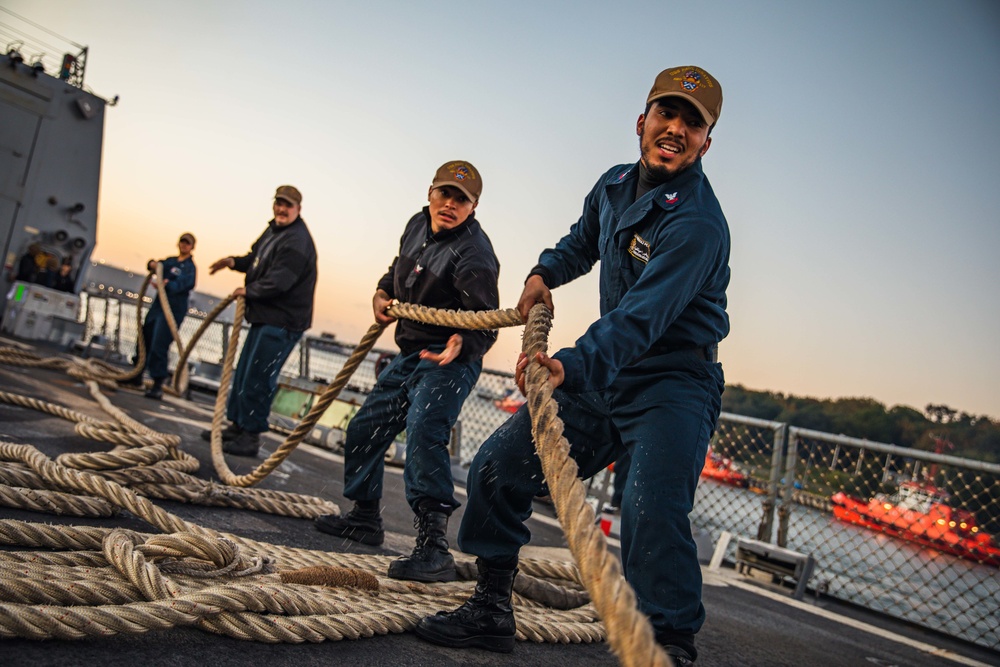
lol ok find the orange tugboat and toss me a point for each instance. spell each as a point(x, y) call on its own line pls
point(723, 470)
point(510, 402)
point(920, 512)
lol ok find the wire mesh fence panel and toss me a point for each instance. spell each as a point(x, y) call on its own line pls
point(111, 323)
point(324, 359)
point(902, 532)
point(210, 348)
point(733, 491)
point(490, 403)
point(115, 320)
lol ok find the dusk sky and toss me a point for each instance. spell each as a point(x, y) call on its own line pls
point(857, 157)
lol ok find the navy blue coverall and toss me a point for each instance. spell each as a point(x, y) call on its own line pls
point(642, 379)
point(179, 279)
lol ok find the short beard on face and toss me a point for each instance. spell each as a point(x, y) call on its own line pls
point(659, 172)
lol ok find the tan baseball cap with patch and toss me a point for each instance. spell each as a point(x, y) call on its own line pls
point(693, 84)
point(462, 175)
point(289, 193)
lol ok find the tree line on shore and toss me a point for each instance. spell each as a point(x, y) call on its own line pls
point(938, 428)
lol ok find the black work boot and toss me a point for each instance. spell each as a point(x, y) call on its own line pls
point(156, 391)
point(430, 561)
point(245, 444)
point(486, 620)
point(131, 382)
point(680, 657)
point(362, 524)
point(679, 646)
point(228, 433)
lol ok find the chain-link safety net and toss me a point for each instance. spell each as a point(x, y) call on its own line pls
point(903, 532)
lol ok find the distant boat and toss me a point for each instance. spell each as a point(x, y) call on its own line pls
point(510, 402)
point(723, 470)
point(921, 513)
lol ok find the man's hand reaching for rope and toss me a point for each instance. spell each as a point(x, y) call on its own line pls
point(556, 373)
point(535, 291)
point(380, 302)
point(451, 351)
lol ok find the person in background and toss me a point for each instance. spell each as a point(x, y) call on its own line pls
point(643, 379)
point(27, 267)
point(65, 280)
point(279, 291)
point(445, 261)
point(179, 276)
point(48, 271)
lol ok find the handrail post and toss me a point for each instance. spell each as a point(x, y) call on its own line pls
point(766, 528)
point(788, 489)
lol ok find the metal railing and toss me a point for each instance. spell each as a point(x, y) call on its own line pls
point(763, 480)
point(898, 531)
point(906, 532)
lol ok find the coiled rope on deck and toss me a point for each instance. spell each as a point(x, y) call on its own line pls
point(142, 582)
point(629, 632)
point(147, 461)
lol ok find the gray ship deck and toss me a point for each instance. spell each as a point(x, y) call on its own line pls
point(750, 622)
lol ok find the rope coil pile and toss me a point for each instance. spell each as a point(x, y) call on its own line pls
point(266, 592)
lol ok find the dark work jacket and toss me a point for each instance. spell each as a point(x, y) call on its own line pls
point(27, 269)
point(65, 283)
point(664, 272)
point(281, 277)
point(454, 269)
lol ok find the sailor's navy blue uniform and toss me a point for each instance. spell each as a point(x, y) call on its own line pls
point(643, 378)
point(179, 278)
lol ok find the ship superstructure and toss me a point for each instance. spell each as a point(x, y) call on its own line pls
point(51, 134)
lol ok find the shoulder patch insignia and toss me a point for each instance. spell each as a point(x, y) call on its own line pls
point(640, 249)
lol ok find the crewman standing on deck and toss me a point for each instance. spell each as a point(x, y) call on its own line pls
point(179, 277)
point(279, 291)
point(644, 378)
point(445, 261)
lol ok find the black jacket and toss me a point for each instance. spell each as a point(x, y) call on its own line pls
point(453, 269)
point(281, 277)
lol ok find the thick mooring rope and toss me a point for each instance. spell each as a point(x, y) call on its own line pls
point(154, 466)
point(226, 609)
point(112, 568)
point(179, 380)
point(629, 632)
point(491, 319)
